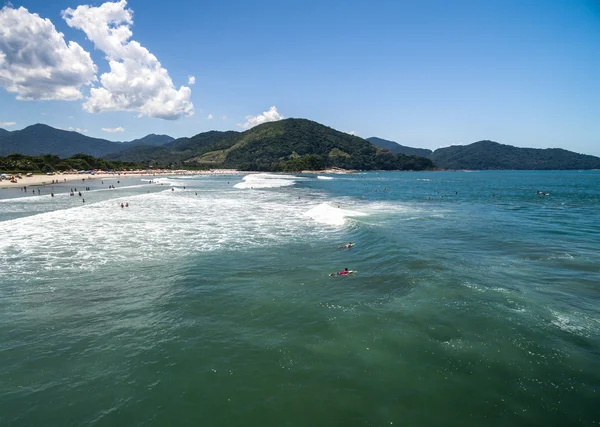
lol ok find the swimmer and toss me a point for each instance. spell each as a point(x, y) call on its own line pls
point(344, 272)
point(348, 246)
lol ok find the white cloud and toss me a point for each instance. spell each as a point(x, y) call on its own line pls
point(7, 124)
point(35, 61)
point(191, 80)
point(113, 130)
point(224, 118)
point(77, 130)
point(210, 117)
point(136, 81)
point(352, 132)
point(267, 116)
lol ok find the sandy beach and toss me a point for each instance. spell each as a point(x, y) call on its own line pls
point(43, 179)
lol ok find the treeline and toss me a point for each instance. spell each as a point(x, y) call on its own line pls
point(14, 163)
point(381, 161)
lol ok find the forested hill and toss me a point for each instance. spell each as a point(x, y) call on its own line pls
point(396, 148)
point(42, 139)
point(176, 152)
point(151, 139)
point(285, 145)
point(484, 155)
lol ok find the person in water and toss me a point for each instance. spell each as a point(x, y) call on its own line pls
point(344, 272)
point(349, 245)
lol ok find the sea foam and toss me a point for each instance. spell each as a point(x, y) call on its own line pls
point(266, 180)
point(330, 215)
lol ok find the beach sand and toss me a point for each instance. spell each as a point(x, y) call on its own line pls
point(43, 179)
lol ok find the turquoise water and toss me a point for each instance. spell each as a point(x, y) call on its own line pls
point(475, 302)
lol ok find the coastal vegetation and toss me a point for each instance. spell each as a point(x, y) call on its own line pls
point(287, 146)
point(284, 146)
point(14, 163)
point(490, 155)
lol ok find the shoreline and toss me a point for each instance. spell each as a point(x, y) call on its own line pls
point(40, 180)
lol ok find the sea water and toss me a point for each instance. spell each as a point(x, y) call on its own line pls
point(208, 301)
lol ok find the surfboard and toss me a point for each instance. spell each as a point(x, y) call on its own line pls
point(342, 275)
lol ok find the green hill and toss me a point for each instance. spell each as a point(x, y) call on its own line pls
point(151, 139)
point(285, 145)
point(396, 148)
point(484, 155)
point(175, 152)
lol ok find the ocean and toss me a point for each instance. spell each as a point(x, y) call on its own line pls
point(208, 301)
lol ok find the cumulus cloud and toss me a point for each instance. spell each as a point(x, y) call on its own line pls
point(113, 130)
point(7, 124)
point(210, 117)
point(35, 61)
point(267, 116)
point(136, 81)
point(191, 80)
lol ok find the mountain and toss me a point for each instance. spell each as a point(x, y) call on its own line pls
point(396, 148)
point(42, 139)
point(285, 145)
point(492, 155)
point(176, 151)
point(151, 139)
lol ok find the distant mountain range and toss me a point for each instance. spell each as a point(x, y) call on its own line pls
point(490, 155)
point(285, 145)
point(290, 144)
point(42, 139)
point(396, 148)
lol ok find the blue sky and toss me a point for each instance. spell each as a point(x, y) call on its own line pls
point(422, 73)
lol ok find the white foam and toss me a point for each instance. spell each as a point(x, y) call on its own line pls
point(330, 215)
point(575, 323)
point(266, 180)
point(77, 237)
point(324, 177)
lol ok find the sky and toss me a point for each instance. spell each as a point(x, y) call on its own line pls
point(425, 74)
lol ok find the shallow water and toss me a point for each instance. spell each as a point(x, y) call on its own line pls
point(475, 301)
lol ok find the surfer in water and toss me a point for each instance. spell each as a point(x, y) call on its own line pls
point(344, 272)
point(348, 246)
